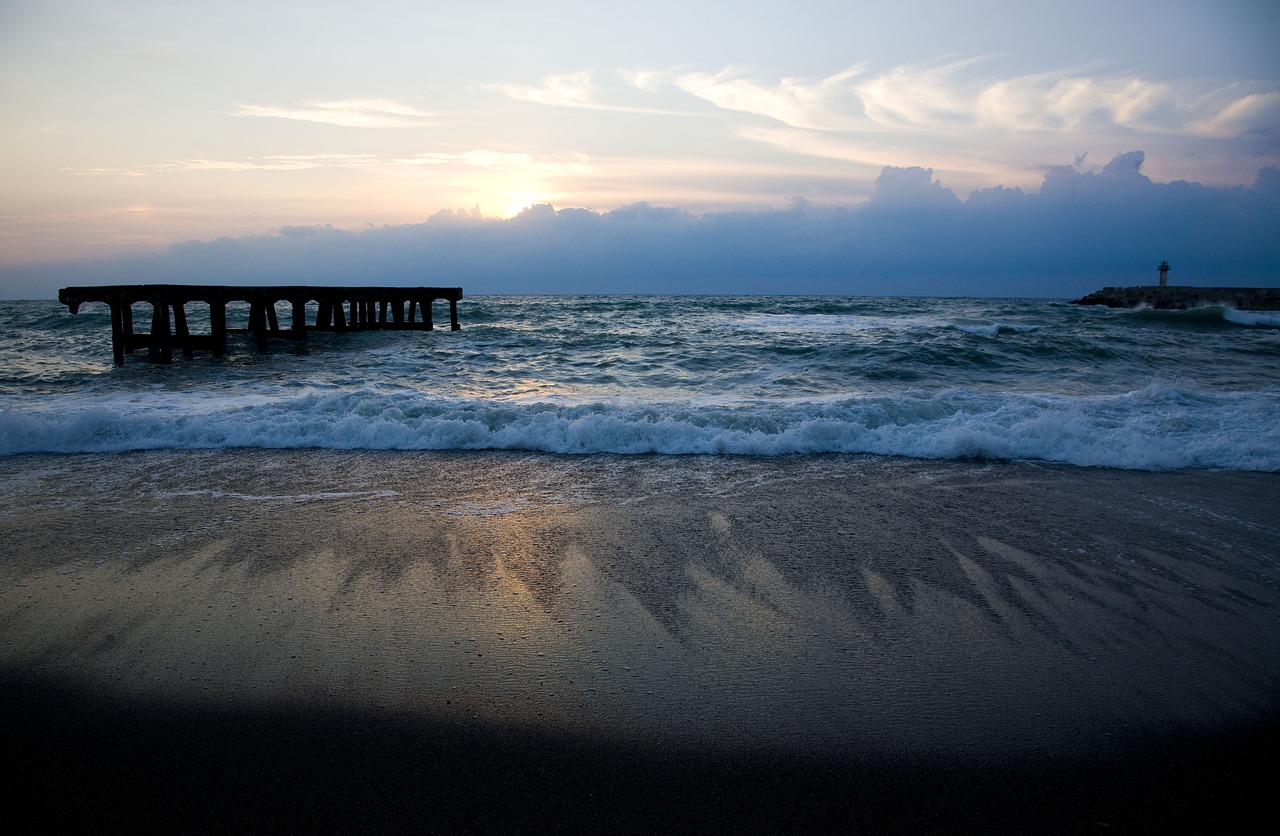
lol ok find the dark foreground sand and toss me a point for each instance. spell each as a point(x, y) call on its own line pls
point(470, 642)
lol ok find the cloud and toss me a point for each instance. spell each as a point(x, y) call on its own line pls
point(1252, 112)
point(347, 113)
point(571, 90)
point(1054, 102)
point(981, 126)
point(649, 81)
point(102, 172)
point(504, 160)
point(920, 97)
point(976, 122)
point(1081, 229)
point(792, 101)
point(273, 162)
point(852, 99)
point(958, 94)
point(1057, 102)
point(579, 90)
point(477, 158)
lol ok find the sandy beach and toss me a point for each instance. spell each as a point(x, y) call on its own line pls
point(468, 641)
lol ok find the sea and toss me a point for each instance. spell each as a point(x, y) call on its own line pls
point(766, 376)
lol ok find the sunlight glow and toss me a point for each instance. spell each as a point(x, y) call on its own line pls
point(513, 203)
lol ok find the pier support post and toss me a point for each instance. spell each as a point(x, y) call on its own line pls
point(118, 340)
point(218, 327)
point(126, 326)
point(160, 347)
point(258, 324)
point(257, 318)
point(181, 334)
point(453, 316)
point(300, 319)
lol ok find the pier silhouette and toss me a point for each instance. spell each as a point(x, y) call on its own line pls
point(337, 309)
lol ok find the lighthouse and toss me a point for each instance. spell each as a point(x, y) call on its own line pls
point(1164, 273)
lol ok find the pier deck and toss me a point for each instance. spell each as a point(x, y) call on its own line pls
point(337, 309)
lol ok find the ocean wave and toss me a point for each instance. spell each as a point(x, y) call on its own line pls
point(1161, 426)
point(993, 329)
point(1207, 316)
point(1264, 319)
point(833, 323)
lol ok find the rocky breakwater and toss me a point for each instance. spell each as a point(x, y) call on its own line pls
point(1185, 297)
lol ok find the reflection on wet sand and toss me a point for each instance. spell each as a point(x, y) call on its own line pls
point(803, 605)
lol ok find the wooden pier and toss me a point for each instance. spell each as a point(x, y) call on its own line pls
point(337, 309)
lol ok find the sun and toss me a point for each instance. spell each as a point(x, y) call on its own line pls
point(513, 203)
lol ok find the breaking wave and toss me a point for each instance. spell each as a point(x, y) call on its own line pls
point(1161, 426)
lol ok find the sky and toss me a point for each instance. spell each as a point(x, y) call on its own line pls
point(979, 148)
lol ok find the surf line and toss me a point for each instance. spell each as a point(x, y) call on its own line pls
point(337, 309)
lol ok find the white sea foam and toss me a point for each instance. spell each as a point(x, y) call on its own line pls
point(1268, 319)
point(1162, 426)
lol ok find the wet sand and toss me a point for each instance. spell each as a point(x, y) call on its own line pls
point(260, 640)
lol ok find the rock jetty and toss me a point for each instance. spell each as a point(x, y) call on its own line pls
point(1185, 297)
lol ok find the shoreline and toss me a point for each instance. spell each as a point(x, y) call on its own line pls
point(667, 621)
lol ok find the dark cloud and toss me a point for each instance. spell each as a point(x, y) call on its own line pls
point(1081, 230)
